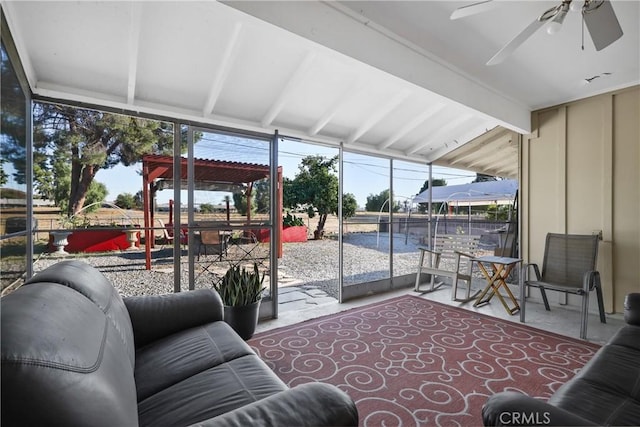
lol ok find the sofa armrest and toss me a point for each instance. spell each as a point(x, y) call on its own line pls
point(157, 316)
point(311, 404)
point(632, 309)
point(510, 408)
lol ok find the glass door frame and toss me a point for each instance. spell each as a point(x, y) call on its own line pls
point(266, 310)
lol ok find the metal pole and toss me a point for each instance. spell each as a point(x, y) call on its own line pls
point(190, 200)
point(429, 236)
point(390, 219)
point(340, 219)
point(275, 208)
point(177, 162)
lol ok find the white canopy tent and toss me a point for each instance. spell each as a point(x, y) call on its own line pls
point(476, 193)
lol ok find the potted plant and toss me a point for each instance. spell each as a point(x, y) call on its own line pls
point(241, 293)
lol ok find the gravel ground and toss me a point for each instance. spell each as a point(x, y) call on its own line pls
point(312, 263)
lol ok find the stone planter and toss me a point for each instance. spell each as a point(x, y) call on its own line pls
point(132, 238)
point(59, 241)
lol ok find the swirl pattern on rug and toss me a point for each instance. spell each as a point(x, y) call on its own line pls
point(408, 361)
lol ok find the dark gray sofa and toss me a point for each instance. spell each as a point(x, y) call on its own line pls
point(74, 353)
point(606, 392)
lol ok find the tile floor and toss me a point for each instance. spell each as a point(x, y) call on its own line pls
point(298, 304)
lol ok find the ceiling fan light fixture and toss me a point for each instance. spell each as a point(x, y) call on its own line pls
point(556, 23)
point(576, 6)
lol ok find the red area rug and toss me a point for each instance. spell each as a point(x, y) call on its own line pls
point(408, 361)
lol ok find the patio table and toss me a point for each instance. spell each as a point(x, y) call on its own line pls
point(500, 268)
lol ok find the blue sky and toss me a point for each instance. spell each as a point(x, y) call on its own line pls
point(363, 175)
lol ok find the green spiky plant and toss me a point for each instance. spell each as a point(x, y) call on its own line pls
point(240, 287)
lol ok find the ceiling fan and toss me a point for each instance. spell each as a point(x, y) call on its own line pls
point(598, 15)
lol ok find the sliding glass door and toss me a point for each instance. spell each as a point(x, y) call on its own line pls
point(230, 208)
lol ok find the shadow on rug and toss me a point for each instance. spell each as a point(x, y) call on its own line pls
point(409, 361)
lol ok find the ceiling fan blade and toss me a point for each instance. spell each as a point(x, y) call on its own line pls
point(603, 25)
point(516, 42)
point(472, 9)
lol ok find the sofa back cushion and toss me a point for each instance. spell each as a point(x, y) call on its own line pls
point(93, 285)
point(63, 361)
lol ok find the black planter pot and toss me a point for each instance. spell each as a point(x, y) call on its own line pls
point(243, 319)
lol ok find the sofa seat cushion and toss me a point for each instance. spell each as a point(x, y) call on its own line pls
point(210, 393)
point(610, 383)
point(199, 373)
point(184, 354)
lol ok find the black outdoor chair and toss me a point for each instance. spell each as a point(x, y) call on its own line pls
point(569, 266)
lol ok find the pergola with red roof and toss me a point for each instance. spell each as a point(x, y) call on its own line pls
point(158, 167)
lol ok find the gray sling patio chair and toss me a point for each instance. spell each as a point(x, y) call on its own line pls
point(569, 266)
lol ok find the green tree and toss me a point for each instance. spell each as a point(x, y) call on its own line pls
point(206, 208)
point(349, 205)
point(240, 203)
point(316, 187)
point(380, 201)
point(87, 141)
point(437, 182)
point(261, 190)
point(125, 201)
point(139, 200)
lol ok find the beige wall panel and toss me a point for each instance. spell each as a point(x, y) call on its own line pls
point(589, 147)
point(581, 173)
point(626, 198)
point(546, 192)
point(586, 146)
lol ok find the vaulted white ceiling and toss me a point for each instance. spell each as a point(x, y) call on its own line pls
point(393, 78)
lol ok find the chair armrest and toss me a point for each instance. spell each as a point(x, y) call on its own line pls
point(464, 254)
point(536, 271)
point(157, 316)
point(311, 404)
point(591, 278)
point(510, 408)
point(432, 251)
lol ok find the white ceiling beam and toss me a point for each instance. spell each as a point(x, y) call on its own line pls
point(378, 115)
point(298, 75)
point(458, 121)
point(16, 33)
point(408, 127)
point(226, 62)
point(335, 108)
point(339, 28)
point(481, 144)
point(134, 45)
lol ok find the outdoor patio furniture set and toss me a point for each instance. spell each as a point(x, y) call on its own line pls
point(569, 267)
